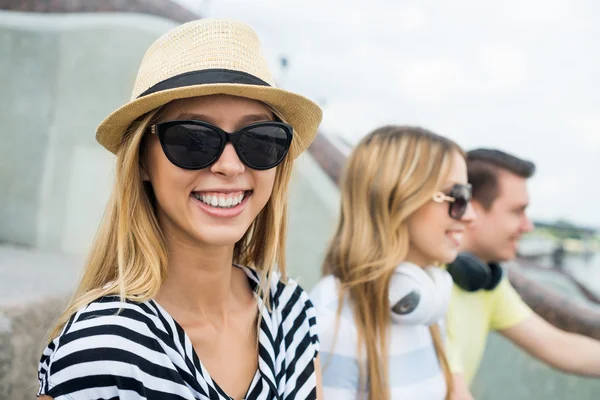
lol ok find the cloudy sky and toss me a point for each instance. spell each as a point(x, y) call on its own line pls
point(519, 75)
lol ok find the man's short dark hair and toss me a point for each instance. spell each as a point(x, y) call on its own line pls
point(483, 167)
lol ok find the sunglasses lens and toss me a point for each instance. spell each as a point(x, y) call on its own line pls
point(191, 146)
point(458, 207)
point(263, 146)
point(462, 196)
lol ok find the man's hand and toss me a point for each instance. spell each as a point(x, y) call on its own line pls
point(460, 389)
point(566, 351)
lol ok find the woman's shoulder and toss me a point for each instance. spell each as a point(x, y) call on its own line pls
point(284, 294)
point(108, 322)
point(108, 337)
point(326, 298)
point(325, 291)
point(289, 322)
point(112, 316)
point(332, 316)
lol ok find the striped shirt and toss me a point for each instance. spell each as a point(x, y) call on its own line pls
point(413, 367)
point(143, 353)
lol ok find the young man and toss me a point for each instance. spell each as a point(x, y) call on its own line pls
point(500, 200)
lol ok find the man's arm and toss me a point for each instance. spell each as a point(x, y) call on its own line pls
point(566, 351)
point(460, 389)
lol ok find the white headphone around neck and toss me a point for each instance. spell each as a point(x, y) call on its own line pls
point(419, 296)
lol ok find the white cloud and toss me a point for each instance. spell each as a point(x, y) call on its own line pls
point(430, 81)
point(537, 10)
point(404, 17)
point(548, 200)
point(353, 117)
point(495, 69)
point(503, 67)
point(586, 129)
point(336, 22)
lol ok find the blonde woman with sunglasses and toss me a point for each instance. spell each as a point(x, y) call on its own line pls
point(405, 203)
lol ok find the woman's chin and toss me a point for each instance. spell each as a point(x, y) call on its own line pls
point(448, 257)
point(220, 236)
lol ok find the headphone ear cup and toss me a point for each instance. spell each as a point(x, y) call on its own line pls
point(469, 272)
point(419, 296)
point(411, 295)
point(442, 281)
point(496, 276)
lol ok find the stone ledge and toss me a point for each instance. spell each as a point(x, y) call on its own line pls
point(34, 288)
point(30, 324)
point(6, 356)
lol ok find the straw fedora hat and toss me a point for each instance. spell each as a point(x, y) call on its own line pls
point(205, 57)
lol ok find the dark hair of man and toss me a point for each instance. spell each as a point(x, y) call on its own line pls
point(483, 168)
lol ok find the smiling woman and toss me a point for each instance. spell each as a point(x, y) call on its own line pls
point(405, 205)
point(181, 297)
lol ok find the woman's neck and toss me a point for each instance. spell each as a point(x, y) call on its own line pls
point(417, 258)
point(201, 281)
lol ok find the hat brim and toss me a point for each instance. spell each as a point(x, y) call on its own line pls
point(301, 113)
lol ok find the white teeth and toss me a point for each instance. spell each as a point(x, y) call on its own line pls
point(456, 236)
point(220, 201)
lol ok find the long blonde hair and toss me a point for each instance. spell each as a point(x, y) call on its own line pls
point(129, 255)
point(390, 174)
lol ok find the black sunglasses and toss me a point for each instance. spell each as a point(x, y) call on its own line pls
point(459, 198)
point(191, 144)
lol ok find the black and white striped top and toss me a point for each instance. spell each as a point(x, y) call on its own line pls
point(142, 353)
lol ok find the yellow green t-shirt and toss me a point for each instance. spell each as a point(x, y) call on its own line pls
point(472, 315)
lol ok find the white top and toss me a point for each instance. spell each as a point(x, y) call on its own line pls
point(414, 370)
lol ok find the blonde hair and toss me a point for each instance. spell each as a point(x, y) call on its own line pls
point(129, 255)
point(390, 174)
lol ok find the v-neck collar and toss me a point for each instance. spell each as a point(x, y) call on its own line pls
point(266, 343)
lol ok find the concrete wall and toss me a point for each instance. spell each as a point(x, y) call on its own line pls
point(313, 209)
point(60, 75)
